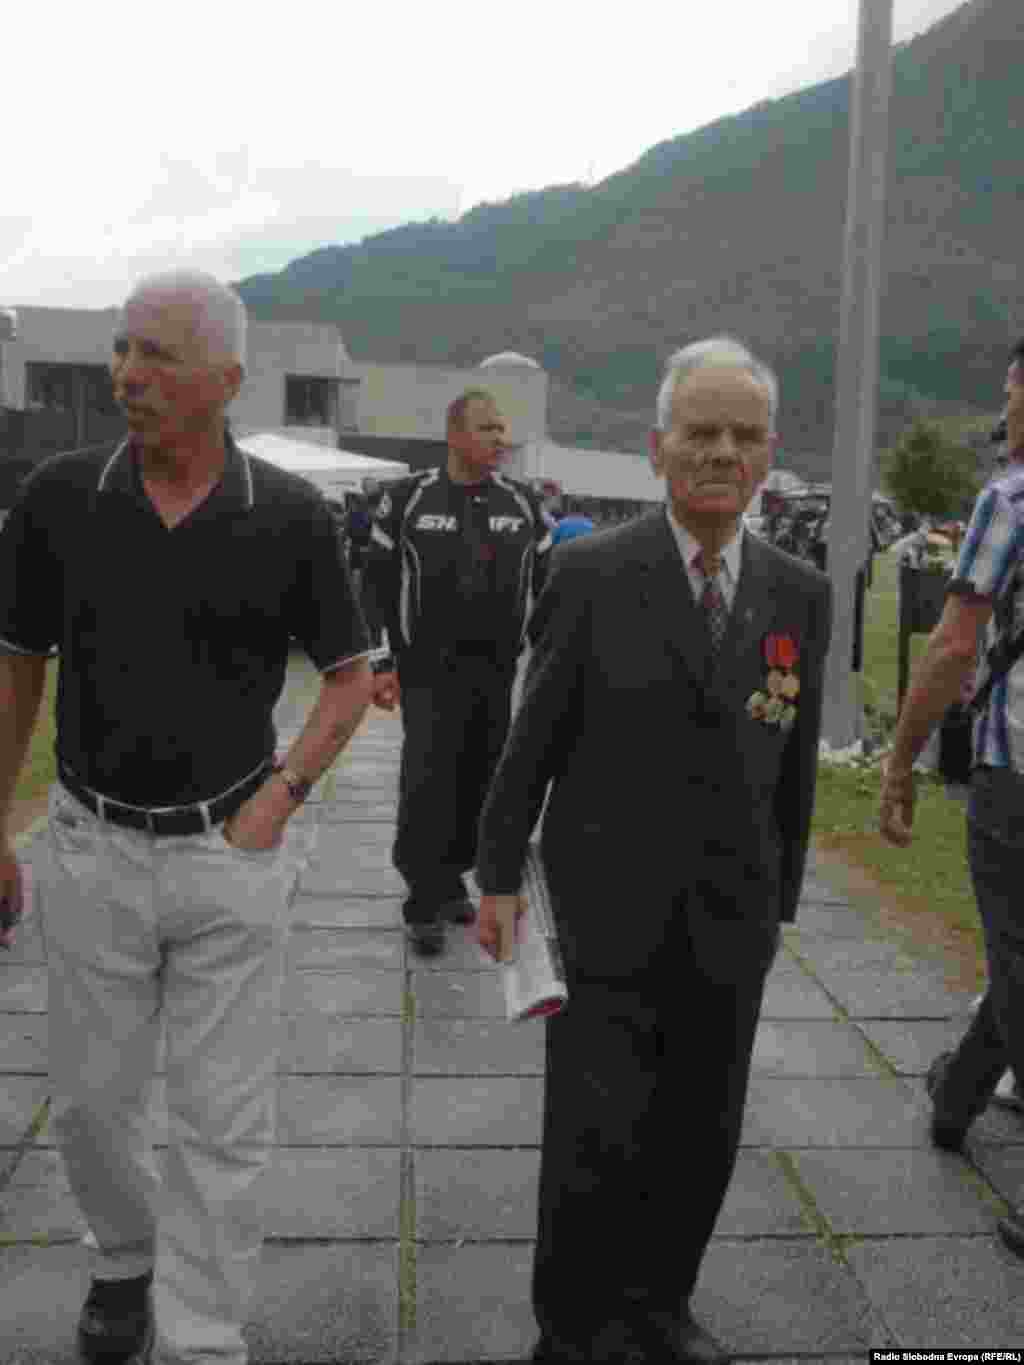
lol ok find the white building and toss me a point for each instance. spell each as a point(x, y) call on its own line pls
point(298, 374)
point(593, 473)
point(410, 401)
point(300, 381)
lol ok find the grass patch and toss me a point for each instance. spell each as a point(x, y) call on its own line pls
point(931, 875)
point(930, 878)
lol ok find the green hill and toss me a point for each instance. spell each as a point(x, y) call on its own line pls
point(737, 227)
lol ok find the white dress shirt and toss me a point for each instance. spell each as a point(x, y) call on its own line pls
point(729, 557)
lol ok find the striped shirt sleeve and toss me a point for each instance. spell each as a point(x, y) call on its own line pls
point(993, 545)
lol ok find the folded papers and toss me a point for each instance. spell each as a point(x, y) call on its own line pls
point(534, 978)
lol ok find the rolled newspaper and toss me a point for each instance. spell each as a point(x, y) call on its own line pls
point(534, 978)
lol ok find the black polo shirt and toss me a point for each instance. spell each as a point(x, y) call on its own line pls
point(173, 644)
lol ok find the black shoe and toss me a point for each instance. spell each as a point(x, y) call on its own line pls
point(946, 1133)
point(116, 1324)
point(683, 1342)
point(427, 939)
point(459, 910)
point(1011, 1230)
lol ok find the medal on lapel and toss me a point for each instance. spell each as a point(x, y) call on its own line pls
point(775, 703)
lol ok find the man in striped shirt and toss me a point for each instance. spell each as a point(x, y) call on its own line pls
point(986, 592)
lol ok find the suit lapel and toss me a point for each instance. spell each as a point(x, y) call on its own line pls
point(667, 595)
point(679, 620)
point(751, 618)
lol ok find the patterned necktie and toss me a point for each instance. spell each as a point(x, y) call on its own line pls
point(712, 601)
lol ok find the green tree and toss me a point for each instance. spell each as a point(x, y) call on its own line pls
point(926, 473)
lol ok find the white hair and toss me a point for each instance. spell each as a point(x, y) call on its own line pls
point(724, 352)
point(220, 317)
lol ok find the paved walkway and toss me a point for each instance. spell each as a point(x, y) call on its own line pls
point(403, 1193)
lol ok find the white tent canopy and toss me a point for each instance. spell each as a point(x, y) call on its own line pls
point(334, 472)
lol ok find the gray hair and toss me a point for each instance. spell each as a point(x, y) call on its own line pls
point(721, 351)
point(220, 317)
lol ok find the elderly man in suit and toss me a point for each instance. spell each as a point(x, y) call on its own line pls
point(673, 705)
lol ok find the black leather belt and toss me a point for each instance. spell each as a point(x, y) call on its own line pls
point(165, 821)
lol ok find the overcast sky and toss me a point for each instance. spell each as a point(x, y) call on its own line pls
point(237, 137)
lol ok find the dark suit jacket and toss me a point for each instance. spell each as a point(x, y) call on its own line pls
point(667, 798)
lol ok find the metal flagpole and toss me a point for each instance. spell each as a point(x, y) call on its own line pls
point(857, 359)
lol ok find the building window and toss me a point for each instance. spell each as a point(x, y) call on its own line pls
point(310, 401)
point(98, 390)
point(50, 387)
point(69, 388)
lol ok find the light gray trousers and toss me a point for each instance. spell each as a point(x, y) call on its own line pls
point(184, 936)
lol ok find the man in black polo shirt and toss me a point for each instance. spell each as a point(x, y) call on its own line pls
point(168, 574)
point(456, 557)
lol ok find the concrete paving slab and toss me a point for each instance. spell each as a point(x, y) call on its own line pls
point(763, 1297)
point(341, 1193)
point(28, 1212)
point(889, 1193)
point(340, 1110)
point(369, 992)
point(493, 1111)
point(352, 811)
point(344, 949)
point(811, 1047)
point(1003, 1167)
point(379, 791)
point(20, 1098)
point(49, 1285)
point(817, 891)
point(347, 912)
point(950, 1292)
point(40, 1167)
point(997, 1127)
point(851, 1112)
point(372, 834)
point(477, 1047)
point(459, 994)
point(344, 877)
point(319, 1043)
point(318, 1304)
point(23, 1042)
point(845, 955)
point(351, 847)
point(462, 954)
point(486, 1196)
point(915, 994)
point(373, 765)
point(23, 989)
point(28, 948)
point(795, 996)
point(912, 1044)
point(830, 920)
point(473, 1304)
point(760, 1201)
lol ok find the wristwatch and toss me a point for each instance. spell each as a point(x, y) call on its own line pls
point(298, 787)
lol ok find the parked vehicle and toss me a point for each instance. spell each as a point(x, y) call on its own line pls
point(799, 522)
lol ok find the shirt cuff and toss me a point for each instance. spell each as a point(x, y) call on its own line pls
point(963, 587)
point(348, 659)
point(9, 647)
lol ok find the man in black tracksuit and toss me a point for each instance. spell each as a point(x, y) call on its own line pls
point(456, 558)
